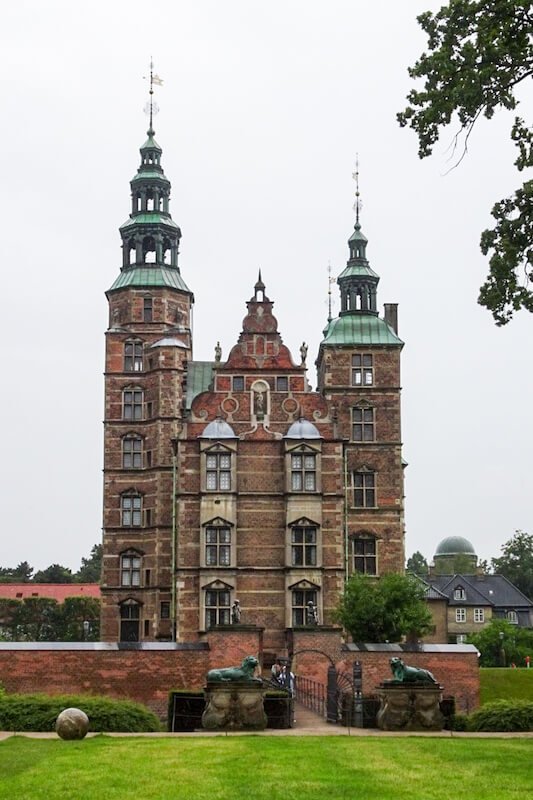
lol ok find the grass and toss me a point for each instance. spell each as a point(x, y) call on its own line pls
point(265, 768)
point(505, 684)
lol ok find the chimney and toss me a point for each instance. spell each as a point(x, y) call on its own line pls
point(391, 315)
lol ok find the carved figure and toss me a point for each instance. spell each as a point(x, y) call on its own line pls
point(311, 614)
point(235, 613)
point(218, 352)
point(303, 352)
point(243, 673)
point(259, 403)
point(405, 674)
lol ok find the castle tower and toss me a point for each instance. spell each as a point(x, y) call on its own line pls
point(359, 376)
point(148, 346)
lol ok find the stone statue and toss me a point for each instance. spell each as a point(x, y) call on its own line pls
point(235, 613)
point(243, 673)
point(311, 614)
point(218, 352)
point(405, 674)
point(303, 352)
point(259, 404)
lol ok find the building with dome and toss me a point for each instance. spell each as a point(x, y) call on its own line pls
point(232, 479)
point(454, 554)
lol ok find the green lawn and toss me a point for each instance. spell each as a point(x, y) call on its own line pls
point(265, 768)
point(505, 684)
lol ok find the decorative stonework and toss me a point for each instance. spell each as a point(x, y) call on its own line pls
point(234, 706)
point(410, 707)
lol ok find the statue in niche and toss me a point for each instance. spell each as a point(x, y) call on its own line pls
point(259, 403)
point(235, 613)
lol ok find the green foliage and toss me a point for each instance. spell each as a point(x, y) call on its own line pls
point(458, 722)
point(516, 562)
point(19, 574)
point(55, 573)
point(38, 712)
point(41, 619)
point(478, 52)
point(517, 643)
point(505, 684)
point(91, 568)
point(383, 610)
point(417, 564)
point(503, 715)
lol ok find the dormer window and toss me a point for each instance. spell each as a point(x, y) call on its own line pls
point(459, 593)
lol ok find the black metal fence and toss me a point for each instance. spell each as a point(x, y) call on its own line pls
point(310, 694)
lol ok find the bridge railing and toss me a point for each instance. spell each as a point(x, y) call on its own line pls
point(310, 694)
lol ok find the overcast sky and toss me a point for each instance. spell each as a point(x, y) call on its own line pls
point(263, 109)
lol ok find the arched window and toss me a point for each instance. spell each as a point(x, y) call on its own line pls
point(133, 356)
point(132, 452)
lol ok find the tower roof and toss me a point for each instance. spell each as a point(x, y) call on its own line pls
point(455, 545)
point(359, 329)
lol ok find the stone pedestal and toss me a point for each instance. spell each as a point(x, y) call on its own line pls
point(234, 706)
point(410, 707)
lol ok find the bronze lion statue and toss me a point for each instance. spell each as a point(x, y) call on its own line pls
point(243, 673)
point(405, 674)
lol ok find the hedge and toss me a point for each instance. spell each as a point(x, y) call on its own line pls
point(38, 712)
point(503, 715)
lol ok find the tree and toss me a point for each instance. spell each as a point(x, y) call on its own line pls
point(91, 567)
point(19, 574)
point(511, 648)
point(55, 573)
point(384, 610)
point(417, 564)
point(74, 612)
point(479, 51)
point(516, 562)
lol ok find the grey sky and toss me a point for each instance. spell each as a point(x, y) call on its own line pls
point(263, 108)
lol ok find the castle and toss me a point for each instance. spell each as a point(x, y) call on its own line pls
point(232, 480)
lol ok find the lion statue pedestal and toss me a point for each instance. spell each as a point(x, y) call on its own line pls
point(234, 699)
point(411, 701)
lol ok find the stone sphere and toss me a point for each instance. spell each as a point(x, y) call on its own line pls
point(72, 723)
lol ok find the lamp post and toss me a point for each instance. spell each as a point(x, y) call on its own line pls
point(501, 635)
point(174, 544)
point(86, 629)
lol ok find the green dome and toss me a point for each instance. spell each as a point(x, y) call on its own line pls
point(455, 545)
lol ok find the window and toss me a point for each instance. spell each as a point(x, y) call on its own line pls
point(364, 489)
point(300, 599)
point(303, 472)
point(218, 472)
point(362, 370)
point(132, 452)
point(131, 507)
point(479, 615)
point(282, 384)
point(130, 570)
point(217, 607)
point(237, 383)
point(461, 638)
point(512, 617)
point(303, 546)
point(147, 309)
point(132, 404)
point(364, 555)
point(129, 621)
point(217, 547)
point(165, 609)
point(133, 357)
point(363, 424)
point(459, 593)
point(460, 614)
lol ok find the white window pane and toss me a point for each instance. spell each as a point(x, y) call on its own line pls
point(225, 461)
point(297, 462)
point(211, 462)
point(225, 481)
point(309, 462)
point(211, 480)
point(310, 482)
point(297, 482)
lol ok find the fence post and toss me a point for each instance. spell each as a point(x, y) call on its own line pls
point(358, 694)
point(331, 707)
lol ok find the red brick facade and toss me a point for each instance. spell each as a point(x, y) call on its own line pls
point(280, 491)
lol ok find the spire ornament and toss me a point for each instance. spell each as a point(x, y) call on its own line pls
point(357, 206)
point(151, 107)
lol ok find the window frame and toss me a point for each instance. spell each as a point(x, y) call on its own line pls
point(460, 615)
point(306, 549)
point(363, 424)
point(305, 475)
point(221, 611)
point(132, 569)
point(362, 373)
point(148, 309)
point(135, 404)
point(216, 472)
point(459, 593)
point(368, 556)
point(134, 453)
point(135, 510)
point(479, 615)
point(511, 617)
point(365, 493)
point(216, 546)
point(134, 360)
point(298, 611)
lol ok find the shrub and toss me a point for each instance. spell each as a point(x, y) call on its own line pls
point(457, 722)
point(503, 715)
point(38, 712)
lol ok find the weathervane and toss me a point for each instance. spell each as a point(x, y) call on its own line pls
point(357, 206)
point(330, 302)
point(152, 108)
